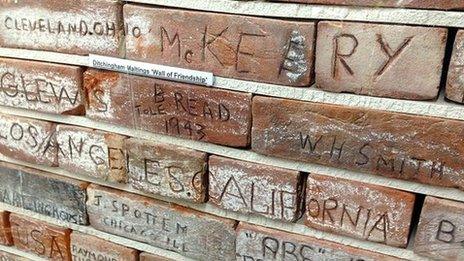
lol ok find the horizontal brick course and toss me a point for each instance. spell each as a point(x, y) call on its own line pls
point(425, 4)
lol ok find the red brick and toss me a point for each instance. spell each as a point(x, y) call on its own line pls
point(191, 233)
point(94, 153)
point(441, 230)
point(166, 170)
point(257, 49)
point(380, 60)
point(359, 210)
point(260, 243)
point(5, 233)
point(417, 148)
point(40, 86)
point(28, 140)
point(455, 82)
point(43, 239)
point(176, 109)
point(255, 188)
point(422, 4)
point(76, 27)
point(153, 257)
point(87, 247)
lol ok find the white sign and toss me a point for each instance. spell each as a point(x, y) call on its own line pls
point(151, 70)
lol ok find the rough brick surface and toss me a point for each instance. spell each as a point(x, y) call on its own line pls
point(380, 60)
point(172, 227)
point(5, 233)
point(77, 27)
point(418, 148)
point(260, 243)
point(455, 82)
point(243, 47)
point(43, 239)
point(28, 140)
point(94, 153)
point(170, 108)
point(45, 87)
point(166, 170)
point(425, 4)
point(441, 230)
point(87, 247)
point(58, 197)
point(254, 188)
point(153, 257)
point(359, 210)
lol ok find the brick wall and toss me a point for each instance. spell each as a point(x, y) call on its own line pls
point(333, 131)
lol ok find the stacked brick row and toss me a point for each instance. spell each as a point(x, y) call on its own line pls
point(393, 61)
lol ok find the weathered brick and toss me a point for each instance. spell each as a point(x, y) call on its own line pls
point(255, 188)
point(77, 27)
point(5, 256)
point(380, 60)
point(87, 247)
point(243, 47)
point(455, 82)
point(40, 86)
point(260, 243)
point(177, 109)
point(441, 230)
point(28, 140)
point(153, 257)
point(417, 148)
point(161, 224)
point(359, 210)
point(43, 239)
point(91, 152)
point(422, 4)
point(51, 195)
point(5, 233)
point(166, 170)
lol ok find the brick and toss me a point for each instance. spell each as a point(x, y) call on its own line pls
point(380, 60)
point(422, 4)
point(50, 195)
point(260, 243)
point(455, 81)
point(176, 109)
point(5, 256)
point(87, 247)
point(440, 232)
point(40, 86)
point(28, 140)
point(80, 27)
point(161, 224)
point(38, 237)
point(359, 210)
point(255, 188)
point(416, 148)
point(92, 153)
point(5, 233)
point(166, 170)
point(244, 47)
point(153, 257)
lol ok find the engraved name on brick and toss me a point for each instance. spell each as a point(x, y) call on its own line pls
point(166, 170)
point(244, 47)
point(381, 60)
point(45, 240)
point(440, 233)
point(256, 243)
point(91, 152)
point(191, 233)
point(77, 27)
point(359, 210)
point(170, 108)
point(40, 86)
point(254, 188)
point(50, 195)
point(417, 148)
point(28, 140)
